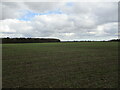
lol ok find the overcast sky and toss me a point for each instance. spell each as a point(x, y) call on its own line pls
point(62, 20)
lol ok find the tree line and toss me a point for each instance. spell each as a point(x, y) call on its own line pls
point(29, 40)
point(115, 40)
point(41, 40)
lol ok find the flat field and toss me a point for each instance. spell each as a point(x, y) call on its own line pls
point(60, 65)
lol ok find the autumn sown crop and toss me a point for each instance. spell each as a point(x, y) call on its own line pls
point(60, 65)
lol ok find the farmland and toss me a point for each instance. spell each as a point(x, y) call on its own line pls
point(60, 65)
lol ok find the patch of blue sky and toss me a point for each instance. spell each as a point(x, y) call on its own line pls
point(70, 4)
point(58, 11)
point(29, 14)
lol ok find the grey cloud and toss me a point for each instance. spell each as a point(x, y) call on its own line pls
point(42, 6)
point(101, 12)
point(12, 9)
point(80, 21)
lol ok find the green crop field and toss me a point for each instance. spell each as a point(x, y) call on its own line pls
point(60, 65)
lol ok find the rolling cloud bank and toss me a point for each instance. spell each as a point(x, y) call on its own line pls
point(63, 20)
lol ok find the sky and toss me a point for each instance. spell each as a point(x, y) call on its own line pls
point(65, 20)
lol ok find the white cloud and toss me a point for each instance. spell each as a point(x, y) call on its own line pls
point(60, 0)
point(95, 21)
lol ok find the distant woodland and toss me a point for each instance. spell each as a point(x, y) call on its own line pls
point(115, 40)
point(41, 40)
point(29, 40)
